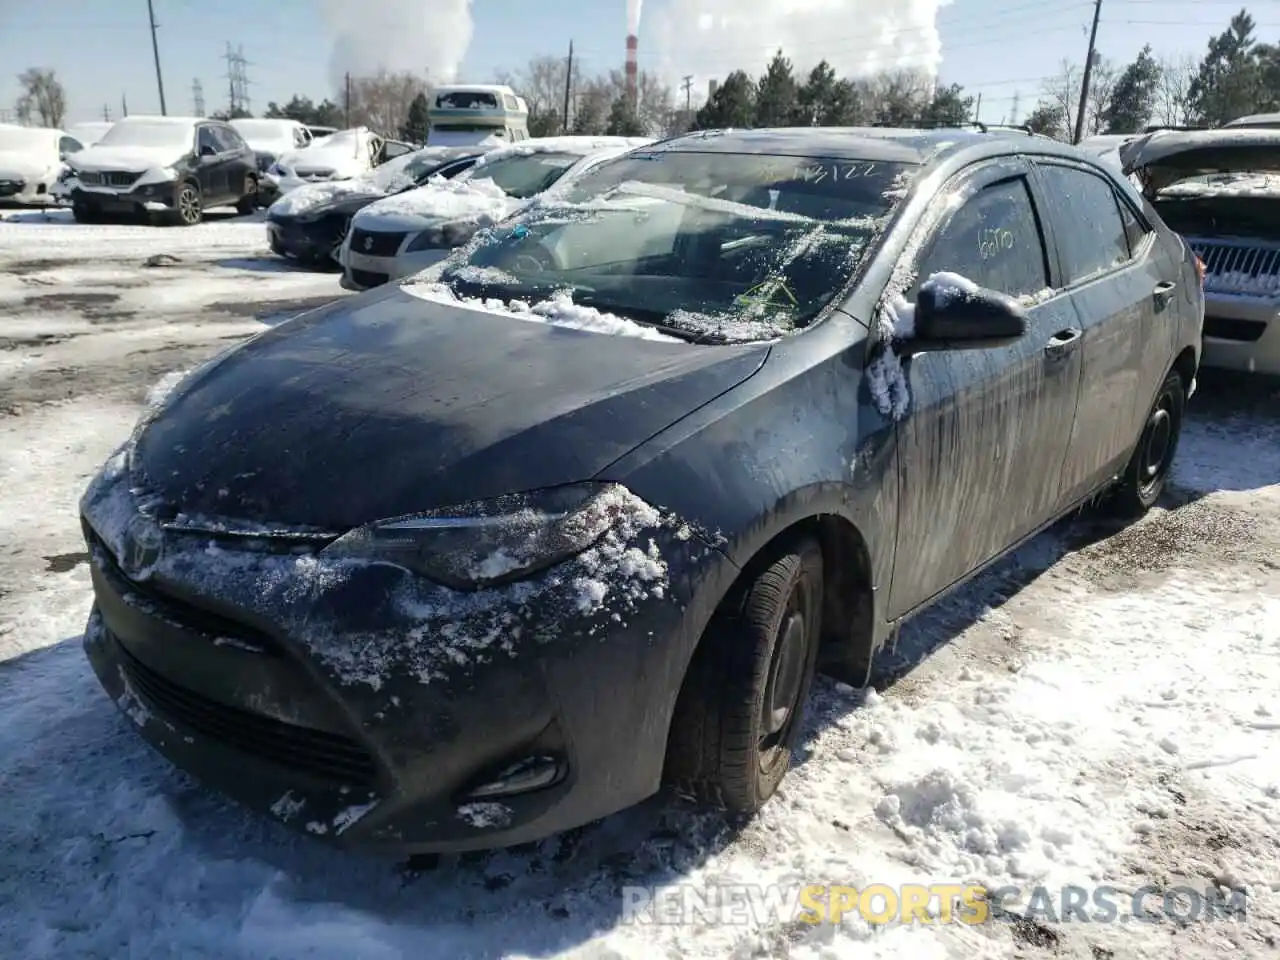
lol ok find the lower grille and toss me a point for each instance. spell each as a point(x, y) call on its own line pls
point(367, 279)
point(325, 756)
point(376, 244)
point(1246, 331)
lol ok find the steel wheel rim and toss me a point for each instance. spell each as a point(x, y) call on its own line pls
point(1157, 444)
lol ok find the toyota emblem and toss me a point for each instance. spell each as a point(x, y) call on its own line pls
point(142, 547)
point(368, 243)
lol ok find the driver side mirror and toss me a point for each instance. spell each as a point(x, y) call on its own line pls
point(952, 313)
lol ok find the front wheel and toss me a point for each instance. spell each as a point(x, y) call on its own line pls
point(189, 209)
point(741, 708)
point(1147, 474)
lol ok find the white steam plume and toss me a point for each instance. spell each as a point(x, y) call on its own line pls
point(709, 38)
point(414, 35)
point(633, 17)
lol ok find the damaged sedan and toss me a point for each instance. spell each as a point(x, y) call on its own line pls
point(466, 561)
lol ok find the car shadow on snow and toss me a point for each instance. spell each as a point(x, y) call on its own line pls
point(263, 264)
point(57, 215)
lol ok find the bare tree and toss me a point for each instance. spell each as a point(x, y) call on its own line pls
point(541, 83)
point(896, 97)
point(381, 102)
point(43, 94)
point(1061, 93)
point(1173, 92)
point(1102, 84)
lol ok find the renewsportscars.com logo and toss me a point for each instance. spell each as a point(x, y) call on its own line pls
point(933, 903)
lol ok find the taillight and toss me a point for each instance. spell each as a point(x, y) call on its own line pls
point(1199, 268)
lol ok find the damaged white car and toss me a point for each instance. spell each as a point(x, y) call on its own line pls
point(31, 162)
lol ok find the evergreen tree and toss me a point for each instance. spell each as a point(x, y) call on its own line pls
point(623, 121)
point(415, 125)
point(948, 108)
point(776, 99)
point(1048, 119)
point(1226, 85)
point(824, 100)
point(1133, 99)
point(732, 105)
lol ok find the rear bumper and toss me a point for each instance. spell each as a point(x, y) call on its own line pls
point(344, 704)
point(1242, 333)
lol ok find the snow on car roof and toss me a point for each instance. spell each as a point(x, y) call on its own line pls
point(473, 200)
point(581, 145)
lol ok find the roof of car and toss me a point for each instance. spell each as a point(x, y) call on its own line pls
point(886, 144)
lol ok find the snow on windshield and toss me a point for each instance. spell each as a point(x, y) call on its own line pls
point(25, 139)
point(721, 248)
point(141, 133)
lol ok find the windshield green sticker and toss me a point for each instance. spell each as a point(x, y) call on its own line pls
point(765, 294)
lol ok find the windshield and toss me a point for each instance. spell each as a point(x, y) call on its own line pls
point(23, 139)
point(467, 100)
point(708, 246)
point(525, 175)
point(143, 134)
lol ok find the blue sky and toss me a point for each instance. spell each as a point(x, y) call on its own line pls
point(101, 48)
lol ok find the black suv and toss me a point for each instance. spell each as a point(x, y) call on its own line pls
point(168, 169)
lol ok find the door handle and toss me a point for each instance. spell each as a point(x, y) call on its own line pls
point(1063, 343)
point(1163, 292)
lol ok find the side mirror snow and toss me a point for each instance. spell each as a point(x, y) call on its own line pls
point(952, 312)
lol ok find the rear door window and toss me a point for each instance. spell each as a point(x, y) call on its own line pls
point(994, 239)
point(1087, 222)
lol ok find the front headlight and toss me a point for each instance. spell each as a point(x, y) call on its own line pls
point(443, 236)
point(492, 542)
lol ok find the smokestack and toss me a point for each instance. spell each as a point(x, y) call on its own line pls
point(632, 69)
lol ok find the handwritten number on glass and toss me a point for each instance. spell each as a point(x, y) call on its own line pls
point(994, 241)
point(817, 173)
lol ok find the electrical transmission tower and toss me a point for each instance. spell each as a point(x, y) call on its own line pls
point(197, 97)
point(237, 80)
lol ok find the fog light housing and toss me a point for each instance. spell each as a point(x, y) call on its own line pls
point(524, 776)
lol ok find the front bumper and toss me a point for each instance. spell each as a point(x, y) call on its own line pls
point(343, 702)
point(363, 271)
point(147, 198)
point(14, 190)
point(1242, 333)
point(314, 240)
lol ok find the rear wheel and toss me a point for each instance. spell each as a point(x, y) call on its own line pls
point(741, 709)
point(248, 204)
point(1145, 477)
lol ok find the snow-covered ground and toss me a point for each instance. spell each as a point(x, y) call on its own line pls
point(1100, 709)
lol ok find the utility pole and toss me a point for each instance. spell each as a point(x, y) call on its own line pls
point(1088, 71)
point(687, 85)
point(197, 97)
point(1013, 107)
point(977, 109)
point(347, 104)
point(155, 50)
point(568, 80)
point(124, 106)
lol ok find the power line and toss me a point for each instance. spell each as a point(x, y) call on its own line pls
point(155, 51)
point(237, 80)
point(197, 97)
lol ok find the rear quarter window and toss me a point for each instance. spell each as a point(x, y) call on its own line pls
point(1092, 235)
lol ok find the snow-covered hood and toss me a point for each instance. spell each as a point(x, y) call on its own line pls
point(310, 197)
point(345, 159)
point(24, 164)
point(126, 159)
point(1165, 157)
point(441, 403)
point(478, 201)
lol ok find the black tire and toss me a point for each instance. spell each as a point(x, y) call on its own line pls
point(760, 649)
point(83, 214)
point(188, 211)
point(247, 205)
point(1145, 477)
